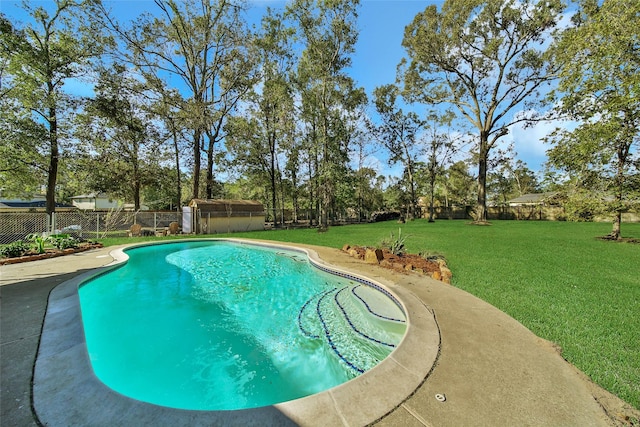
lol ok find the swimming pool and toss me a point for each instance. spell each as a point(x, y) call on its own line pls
point(218, 325)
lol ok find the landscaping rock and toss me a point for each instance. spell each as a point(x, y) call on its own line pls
point(354, 253)
point(373, 256)
point(435, 267)
point(446, 274)
point(386, 263)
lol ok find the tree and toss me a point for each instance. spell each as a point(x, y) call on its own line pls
point(124, 137)
point(22, 162)
point(441, 146)
point(204, 44)
point(398, 132)
point(486, 58)
point(511, 179)
point(368, 197)
point(327, 31)
point(259, 139)
point(458, 185)
point(599, 87)
point(56, 47)
point(167, 106)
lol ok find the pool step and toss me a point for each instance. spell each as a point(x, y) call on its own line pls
point(350, 323)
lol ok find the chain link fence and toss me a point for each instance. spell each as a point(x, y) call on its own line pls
point(84, 225)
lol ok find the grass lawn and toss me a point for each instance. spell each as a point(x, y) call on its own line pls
point(556, 278)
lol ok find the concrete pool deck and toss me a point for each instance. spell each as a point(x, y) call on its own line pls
point(491, 369)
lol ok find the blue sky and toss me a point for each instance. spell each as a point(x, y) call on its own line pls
point(379, 50)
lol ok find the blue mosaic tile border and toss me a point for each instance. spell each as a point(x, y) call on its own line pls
point(354, 327)
point(359, 280)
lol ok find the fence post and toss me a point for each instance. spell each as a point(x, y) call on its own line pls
point(97, 225)
point(155, 222)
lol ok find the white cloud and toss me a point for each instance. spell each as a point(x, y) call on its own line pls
point(528, 141)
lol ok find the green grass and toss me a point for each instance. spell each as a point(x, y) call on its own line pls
point(556, 278)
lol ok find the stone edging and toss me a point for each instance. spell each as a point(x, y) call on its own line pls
point(376, 256)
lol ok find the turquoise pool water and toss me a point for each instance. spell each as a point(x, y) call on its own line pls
point(215, 325)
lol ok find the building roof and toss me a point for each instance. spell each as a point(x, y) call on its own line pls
point(92, 196)
point(28, 204)
point(222, 205)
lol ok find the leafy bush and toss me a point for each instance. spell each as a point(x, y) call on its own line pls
point(38, 242)
point(64, 241)
point(14, 249)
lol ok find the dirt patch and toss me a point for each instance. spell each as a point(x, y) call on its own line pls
point(50, 253)
point(621, 413)
point(619, 240)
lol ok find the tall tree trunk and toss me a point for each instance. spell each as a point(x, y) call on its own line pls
point(177, 159)
point(272, 177)
point(481, 206)
point(54, 155)
point(622, 153)
point(432, 196)
point(412, 206)
point(281, 185)
point(615, 231)
point(209, 188)
point(312, 184)
point(197, 135)
point(136, 190)
point(136, 178)
point(326, 165)
point(294, 195)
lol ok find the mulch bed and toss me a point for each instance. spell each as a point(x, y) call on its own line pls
point(405, 263)
point(50, 253)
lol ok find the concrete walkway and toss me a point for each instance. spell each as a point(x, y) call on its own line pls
point(492, 370)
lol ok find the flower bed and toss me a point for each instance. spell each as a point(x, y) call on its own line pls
point(50, 253)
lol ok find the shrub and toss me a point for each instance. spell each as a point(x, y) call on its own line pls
point(14, 249)
point(63, 241)
point(395, 244)
point(38, 242)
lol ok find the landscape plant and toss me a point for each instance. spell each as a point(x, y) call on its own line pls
point(38, 241)
point(394, 244)
point(63, 241)
point(14, 249)
point(599, 88)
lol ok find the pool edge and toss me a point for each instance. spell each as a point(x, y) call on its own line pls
point(65, 389)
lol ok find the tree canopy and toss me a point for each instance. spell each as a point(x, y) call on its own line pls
point(188, 99)
point(484, 57)
point(599, 87)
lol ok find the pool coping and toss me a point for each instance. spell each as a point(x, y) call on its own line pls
point(67, 392)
